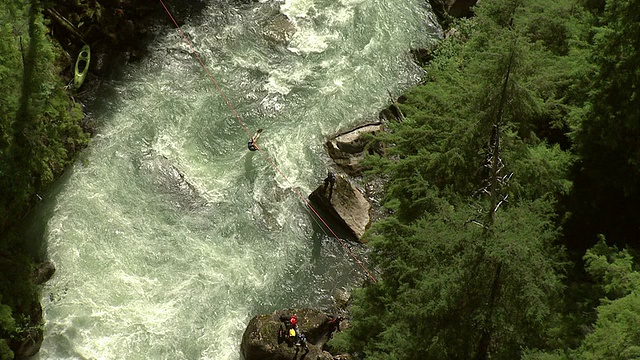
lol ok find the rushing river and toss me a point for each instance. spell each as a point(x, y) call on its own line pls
point(169, 236)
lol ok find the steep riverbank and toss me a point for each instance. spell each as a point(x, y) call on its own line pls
point(117, 32)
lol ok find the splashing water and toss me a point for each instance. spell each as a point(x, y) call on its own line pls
point(171, 235)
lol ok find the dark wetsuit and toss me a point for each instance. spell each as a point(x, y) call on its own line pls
point(329, 181)
point(252, 146)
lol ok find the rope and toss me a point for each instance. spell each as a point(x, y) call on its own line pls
point(262, 152)
point(193, 50)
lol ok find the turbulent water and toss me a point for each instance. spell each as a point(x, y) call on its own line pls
point(169, 236)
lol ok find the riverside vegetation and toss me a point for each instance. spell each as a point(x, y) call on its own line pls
point(512, 186)
point(513, 193)
point(40, 132)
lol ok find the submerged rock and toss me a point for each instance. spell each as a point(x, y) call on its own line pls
point(261, 339)
point(168, 179)
point(279, 30)
point(346, 204)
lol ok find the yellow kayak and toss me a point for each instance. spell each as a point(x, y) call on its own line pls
point(82, 66)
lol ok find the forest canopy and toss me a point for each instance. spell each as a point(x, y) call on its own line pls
point(516, 154)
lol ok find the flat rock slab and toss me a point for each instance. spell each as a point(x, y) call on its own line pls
point(347, 149)
point(346, 204)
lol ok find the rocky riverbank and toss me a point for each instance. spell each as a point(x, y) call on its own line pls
point(117, 32)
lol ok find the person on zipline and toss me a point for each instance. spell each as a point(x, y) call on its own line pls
point(252, 144)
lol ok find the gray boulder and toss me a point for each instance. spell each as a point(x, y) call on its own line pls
point(346, 204)
point(169, 180)
point(347, 149)
point(43, 272)
point(279, 29)
point(261, 340)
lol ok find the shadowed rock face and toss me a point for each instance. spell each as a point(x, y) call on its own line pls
point(346, 204)
point(261, 341)
point(116, 30)
point(348, 149)
point(447, 9)
point(460, 8)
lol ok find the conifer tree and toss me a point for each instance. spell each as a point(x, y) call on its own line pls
point(463, 277)
point(608, 173)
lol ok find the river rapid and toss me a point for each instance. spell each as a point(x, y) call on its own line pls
point(169, 235)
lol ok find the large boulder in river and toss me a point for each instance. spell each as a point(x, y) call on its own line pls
point(261, 339)
point(346, 204)
point(349, 148)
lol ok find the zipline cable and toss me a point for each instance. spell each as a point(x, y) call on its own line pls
point(193, 50)
point(262, 152)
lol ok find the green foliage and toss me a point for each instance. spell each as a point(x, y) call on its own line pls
point(613, 268)
point(542, 171)
point(539, 355)
point(5, 351)
point(7, 328)
point(39, 134)
point(7, 323)
point(437, 278)
point(40, 125)
point(460, 280)
point(611, 129)
point(616, 334)
point(338, 344)
point(606, 139)
point(438, 150)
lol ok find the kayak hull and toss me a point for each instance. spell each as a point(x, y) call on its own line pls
point(82, 66)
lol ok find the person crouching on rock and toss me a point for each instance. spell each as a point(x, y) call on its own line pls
point(302, 342)
point(290, 332)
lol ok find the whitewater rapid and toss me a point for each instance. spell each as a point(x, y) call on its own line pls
point(168, 235)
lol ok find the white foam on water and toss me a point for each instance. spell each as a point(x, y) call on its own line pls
point(172, 235)
point(295, 9)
